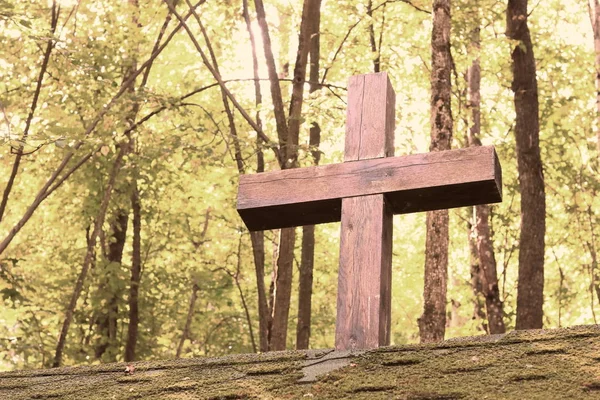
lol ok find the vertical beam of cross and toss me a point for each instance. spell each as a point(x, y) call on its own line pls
point(364, 280)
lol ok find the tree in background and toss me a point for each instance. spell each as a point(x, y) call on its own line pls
point(485, 272)
point(530, 295)
point(307, 258)
point(432, 324)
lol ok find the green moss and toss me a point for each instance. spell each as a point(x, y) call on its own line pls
point(523, 365)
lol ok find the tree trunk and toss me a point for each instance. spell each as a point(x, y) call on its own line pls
point(530, 294)
point(483, 235)
point(283, 290)
point(432, 324)
point(136, 275)
point(276, 98)
point(258, 238)
point(264, 317)
point(288, 144)
point(308, 232)
point(195, 288)
point(491, 291)
point(375, 52)
point(188, 321)
point(70, 311)
point(476, 280)
point(107, 320)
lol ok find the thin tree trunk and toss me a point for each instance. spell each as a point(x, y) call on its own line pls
point(482, 231)
point(280, 120)
point(308, 232)
point(107, 321)
point(258, 238)
point(374, 50)
point(136, 275)
point(264, 317)
point(432, 324)
point(476, 280)
point(530, 294)
point(305, 287)
point(88, 257)
point(195, 288)
point(288, 145)
point(491, 290)
point(188, 321)
point(236, 279)
point(230, 118)
point(283, 290)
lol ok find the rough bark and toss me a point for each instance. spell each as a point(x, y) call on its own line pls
point(530, 295)
point(481, 228)
point(136, 276)
point(432, 324)
point(308, 232)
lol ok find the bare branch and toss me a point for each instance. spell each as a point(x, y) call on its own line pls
point(217, 77)
point(232, 128)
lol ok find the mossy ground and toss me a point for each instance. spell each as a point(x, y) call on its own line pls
point(555, 364)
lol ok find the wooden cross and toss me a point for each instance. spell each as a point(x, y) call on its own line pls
point(364, 192)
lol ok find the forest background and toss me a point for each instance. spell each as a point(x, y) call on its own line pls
point(124, 127)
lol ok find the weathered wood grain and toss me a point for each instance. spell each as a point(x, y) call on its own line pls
point(365, 274)
point(370, 117)
point(413, 183)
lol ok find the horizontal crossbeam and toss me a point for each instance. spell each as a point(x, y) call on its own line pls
point(413, 183)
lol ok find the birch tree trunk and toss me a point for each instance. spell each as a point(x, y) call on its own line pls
point(432, 324)
point(530, 295)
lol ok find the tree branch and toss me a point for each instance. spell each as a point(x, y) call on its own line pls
point(44, 191)
point(36, 96)
point(217, 77)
